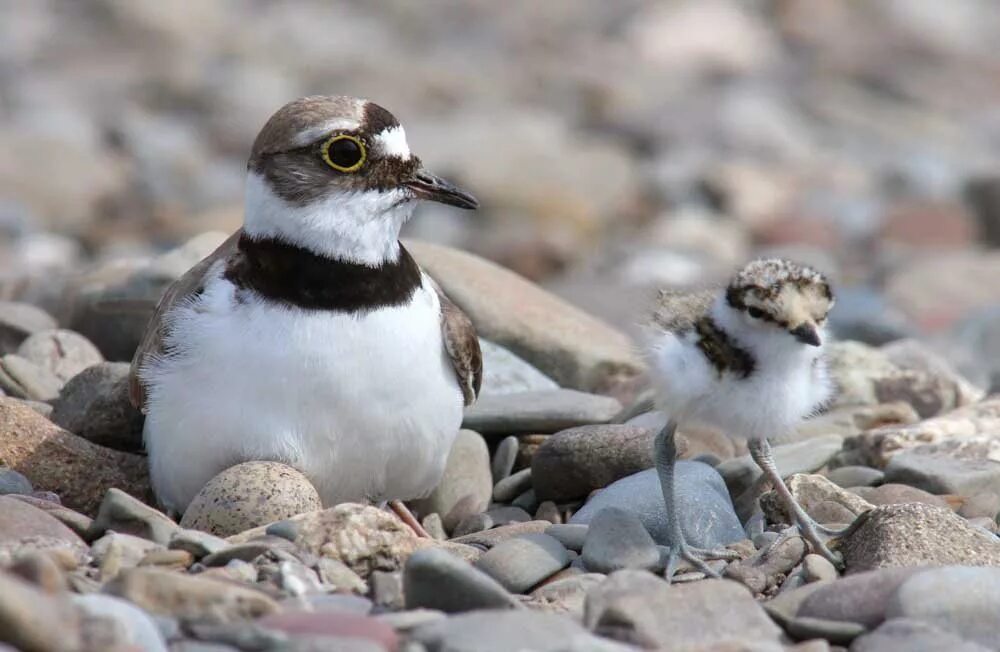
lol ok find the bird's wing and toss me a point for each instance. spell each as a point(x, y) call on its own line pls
point(679, 311)
point(462, 345)
point(191, 284)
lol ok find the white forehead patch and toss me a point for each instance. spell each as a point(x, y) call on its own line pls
point(314, 133)
point(393, 142)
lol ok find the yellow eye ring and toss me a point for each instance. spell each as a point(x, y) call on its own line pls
point(344, 158)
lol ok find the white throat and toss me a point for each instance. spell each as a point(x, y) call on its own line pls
point(361, 227)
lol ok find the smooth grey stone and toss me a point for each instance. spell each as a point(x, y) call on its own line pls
point(705, 510)
point(838, 632)
point(941, 473)
point(855, 476)
point(543, 411)
point(908, 635)
point(504, 458)
point(12, 482)
point(140, 630)
point(18, 321)
point(198, 543)
point(286, 529)
point(617, 540)
point(857, 598)
point(506, 514)
point(95, 405)
point(492, 631)
point(404, 621)
point(522, 562)
point(637, 606)
point(473, 523)
point(571, 535)
point(22, 378)
point(964, 600)
point(567, 594)
point(123, 513)
point(807, 456)
point(506, 373)
point(527, 501)
point(512, 486)
point(435, 579)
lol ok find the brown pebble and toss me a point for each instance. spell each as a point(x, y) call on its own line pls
point(175, 559)
point(40, 569)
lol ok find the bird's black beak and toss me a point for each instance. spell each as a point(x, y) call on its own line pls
point(807, 334)
point(433, 188)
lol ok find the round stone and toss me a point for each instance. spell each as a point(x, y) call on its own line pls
point(249, 495)
point(522, 562)
point(617, 539)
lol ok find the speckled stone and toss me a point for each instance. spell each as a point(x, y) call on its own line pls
point(249, 495)
point(63, 352)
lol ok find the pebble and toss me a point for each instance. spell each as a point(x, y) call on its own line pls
point(249, 495)
point(522, 562)
point(506, 373)
point(492, 631)
point(95, 405)
point(855, 476)
point(337, 574)
point(548, 511)
point(985, 504)
point(434, 526)
point(886, 539)
point(42, 569)
point(575, 462)
point(711, 614)
point(12, 482)
point(768, 566)
point(908, 635)
point(20, 320)
point(124, 514)
point(387, 589)
point(800, 457)
point(512, 486)
point(941, 473)
point(198, 543)
point(703, 505)
point(23, 527)
point(139, 629)
point(489, 538)
point(572, 347)
point(527, 501)
point(75, 521)
point(467, 473)
point(816, 568)
point(63, 352)
point(54, 459)
point(117, 550)
point(32, 620)
point(332, 630)
point(22, 378)
point(893, 493)
point(859, 598)
point(435, 579)
point(570, 535)
point(962, 600)
point(189, 597)
point(819, 497)
point(538, 412)
point(616, 540)
point(504, 458)
point(565, 594)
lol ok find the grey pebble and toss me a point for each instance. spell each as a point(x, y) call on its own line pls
point(12, 482)
point(527, 501)
point(435, 579)
point(512, 486)
point(504, 458)
point(617, 540)
point(856, 476)
point(522, 562)
point(571, 535)
point(286, 529)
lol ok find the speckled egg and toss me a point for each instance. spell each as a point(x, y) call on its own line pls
point(249, 495)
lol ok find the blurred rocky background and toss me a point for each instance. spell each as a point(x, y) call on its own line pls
point(616, 147)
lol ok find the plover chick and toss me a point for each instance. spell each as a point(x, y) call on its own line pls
point(311, 336)
point(746, 360)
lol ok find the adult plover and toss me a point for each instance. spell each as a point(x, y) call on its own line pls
point(311, 336)
point(748, 361)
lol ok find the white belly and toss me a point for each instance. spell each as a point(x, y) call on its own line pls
point(366, 406)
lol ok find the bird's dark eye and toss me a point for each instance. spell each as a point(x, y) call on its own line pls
point(344, 153)
point(756, 313)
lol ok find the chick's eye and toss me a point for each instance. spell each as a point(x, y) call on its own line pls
point(344, 153)
point(754, 312)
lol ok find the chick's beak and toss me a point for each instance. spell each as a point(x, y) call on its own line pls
point(425, 185)
point(807, 334)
